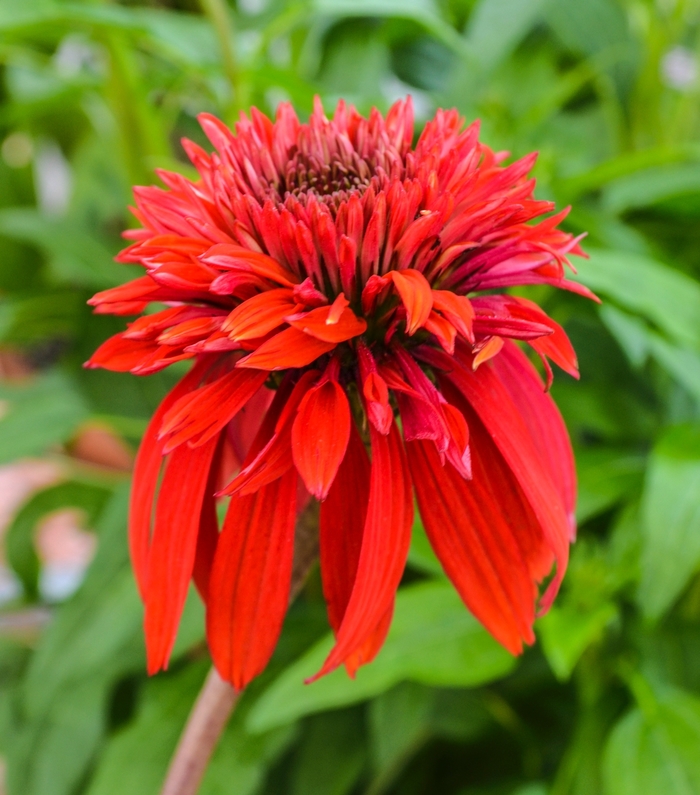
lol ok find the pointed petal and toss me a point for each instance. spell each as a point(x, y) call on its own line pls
point(172, 554)
point(320, 436)
point(342, 524)
point(416, 295)
point(260, 314)
point(249, 587)
point(336, 323)
point(385, 542)
point(120, 354)
point(201, 414)
point(235, 258)
point(289, 348)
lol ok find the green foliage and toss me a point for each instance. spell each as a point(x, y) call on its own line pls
point(93, 97)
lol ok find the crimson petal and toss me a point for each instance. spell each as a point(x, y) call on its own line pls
point(250, 580)
point(385, 542)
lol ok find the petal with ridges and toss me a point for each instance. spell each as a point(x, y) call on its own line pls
point(249, 586)
point(385, 542)
point(342, 522)
point(146, 471)
point(173, 547)
point(320, 436)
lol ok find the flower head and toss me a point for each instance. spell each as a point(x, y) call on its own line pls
point(325, 279)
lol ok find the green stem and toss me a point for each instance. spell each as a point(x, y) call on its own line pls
point(220, 17)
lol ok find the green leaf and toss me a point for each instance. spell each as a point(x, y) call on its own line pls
point(331, 754)
point(671, 519)
point(496, 27)
point(136, 758)
point(650, 186)
point(424, 12)
point(566, 632)
point(44, 413)
point(665, 296)
point(21, 553)
point(649, 754)
point(587, 27)
point(52, 753)
point(606, 476)
point(74, 254)
point(639, 342)
point(433, 640)
point(404, 719)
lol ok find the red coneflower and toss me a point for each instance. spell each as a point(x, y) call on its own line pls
point(324, 279)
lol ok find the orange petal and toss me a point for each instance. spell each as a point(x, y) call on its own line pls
point(289, 348)
point(416, 295)
point(322, 325)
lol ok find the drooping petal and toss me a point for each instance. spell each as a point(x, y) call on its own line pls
point(477, 528)
point(320, 436)
point(547, 429)
point(342, 523)
point(484, 391)
point(208, 535)
point(250, 580)
point(173, 547)
point(146, 471)
point(385, 542)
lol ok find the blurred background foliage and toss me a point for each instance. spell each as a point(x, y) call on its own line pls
point(93, 96)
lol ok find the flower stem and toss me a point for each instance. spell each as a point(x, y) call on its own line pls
point(217, 699)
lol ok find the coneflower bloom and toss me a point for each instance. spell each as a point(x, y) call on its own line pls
point(336, 290)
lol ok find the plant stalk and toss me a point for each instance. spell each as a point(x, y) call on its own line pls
point(217, 699)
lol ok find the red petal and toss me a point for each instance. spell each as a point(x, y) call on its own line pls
point(324, 324)
point(146, 473)
point(249, 587)
point(208, 536)
point(237, 258)
point(270, 459)
point(544, 421)
point(260, 314)
point(503, 419)
point(121, 355)
point(342, 523)
point(416, 296)
point(172, 553)
point(289, 348)
point(557, 345)
point(457, 309)
point(478, 529)
point(385, 542)
point(201, 414)
point(320, 436)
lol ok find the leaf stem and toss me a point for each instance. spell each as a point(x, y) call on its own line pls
point(217, 699)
